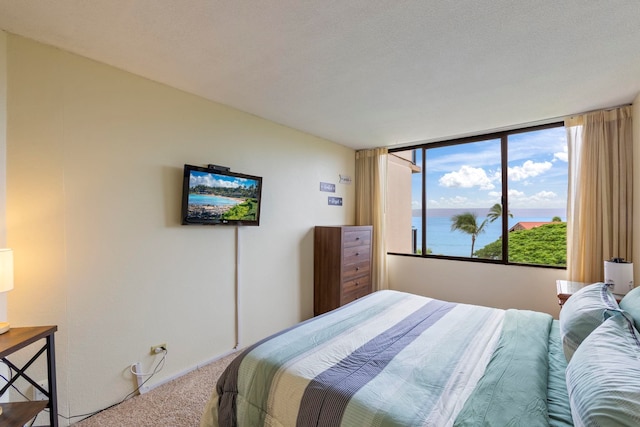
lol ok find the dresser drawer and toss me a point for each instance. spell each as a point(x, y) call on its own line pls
point(356, 254)
point(354, 295)
point(352, 271)
point(354, 285)
point(356, 238)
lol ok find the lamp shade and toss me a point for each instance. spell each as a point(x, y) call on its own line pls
point(6, 270)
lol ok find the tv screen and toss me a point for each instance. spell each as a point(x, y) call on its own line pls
point(216, 196)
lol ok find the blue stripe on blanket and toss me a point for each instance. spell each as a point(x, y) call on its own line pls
point(327, 395)
point(227, 385)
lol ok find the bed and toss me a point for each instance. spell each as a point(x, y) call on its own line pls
point(397, 359)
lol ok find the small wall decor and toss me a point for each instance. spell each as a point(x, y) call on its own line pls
point(335, 201)
point(328, 187)
point(345, 179)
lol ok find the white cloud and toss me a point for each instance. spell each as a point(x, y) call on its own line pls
point(208, 181)
point(448, 202)
point(457, 201)
point(467, 177)
point(544, 196)
point(527, 170)
point(541, 198)
point(563, 156)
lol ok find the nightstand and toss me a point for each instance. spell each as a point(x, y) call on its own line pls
point(566, 288)
point(16, 414)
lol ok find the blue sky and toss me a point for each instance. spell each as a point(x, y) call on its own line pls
point(216, 180)
point(468, 176)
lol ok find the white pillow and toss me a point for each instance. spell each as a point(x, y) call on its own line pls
point(631, 304)
point(582, 313)
point(603, 376)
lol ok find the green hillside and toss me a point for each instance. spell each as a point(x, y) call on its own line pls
point(544, 245)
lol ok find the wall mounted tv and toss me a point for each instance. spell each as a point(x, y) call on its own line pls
point(214, 195)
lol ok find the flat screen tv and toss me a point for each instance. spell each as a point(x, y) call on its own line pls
point(214, 195)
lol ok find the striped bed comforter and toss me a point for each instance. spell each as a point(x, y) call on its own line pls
point(392, 359)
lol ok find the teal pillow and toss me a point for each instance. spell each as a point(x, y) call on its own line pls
point(603, 377)
point(582, 313)
point(631, 304)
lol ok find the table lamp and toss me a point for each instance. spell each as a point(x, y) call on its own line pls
point(6, 278)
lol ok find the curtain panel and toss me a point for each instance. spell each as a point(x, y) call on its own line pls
point(371, 179)
point(599, 210)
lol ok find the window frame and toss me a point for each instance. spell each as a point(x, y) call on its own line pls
point(503, 136)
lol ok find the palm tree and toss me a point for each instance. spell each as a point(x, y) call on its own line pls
point(467, 222)
point(496, 212)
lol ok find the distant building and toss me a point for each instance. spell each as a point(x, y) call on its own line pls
point(528, 225)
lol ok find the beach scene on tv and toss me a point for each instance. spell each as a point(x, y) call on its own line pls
point(214, 197)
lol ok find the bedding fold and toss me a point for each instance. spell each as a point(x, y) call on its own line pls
point(521, 357)
point(557, 397)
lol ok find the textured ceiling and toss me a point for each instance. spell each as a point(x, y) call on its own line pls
point(363, 73)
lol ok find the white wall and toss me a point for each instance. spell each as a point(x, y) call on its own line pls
point(502, 286)
point(3, 149)
point(95, 159)
point(3, 178)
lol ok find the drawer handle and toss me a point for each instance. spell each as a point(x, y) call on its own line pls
point(357, 238)
point(357, 283)
point(357, 253)
point(357, 268)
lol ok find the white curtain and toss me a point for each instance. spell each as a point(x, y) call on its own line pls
point(599, 211)
point(371, 178)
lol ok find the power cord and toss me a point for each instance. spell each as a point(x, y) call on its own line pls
point(33, 420)
point(157, 368)
point(13, 386)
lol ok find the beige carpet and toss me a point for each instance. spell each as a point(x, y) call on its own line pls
point(178, 403)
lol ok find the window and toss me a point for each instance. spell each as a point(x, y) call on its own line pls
point(499, 197)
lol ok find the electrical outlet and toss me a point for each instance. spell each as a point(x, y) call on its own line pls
point(37, 394)
point(155, 349)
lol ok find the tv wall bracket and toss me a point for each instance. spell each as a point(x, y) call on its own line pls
point(218, 168)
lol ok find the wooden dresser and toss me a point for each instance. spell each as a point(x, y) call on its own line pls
point(342, 266)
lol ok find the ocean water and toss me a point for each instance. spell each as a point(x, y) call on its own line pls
point(442, 241)
point(204, 199)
